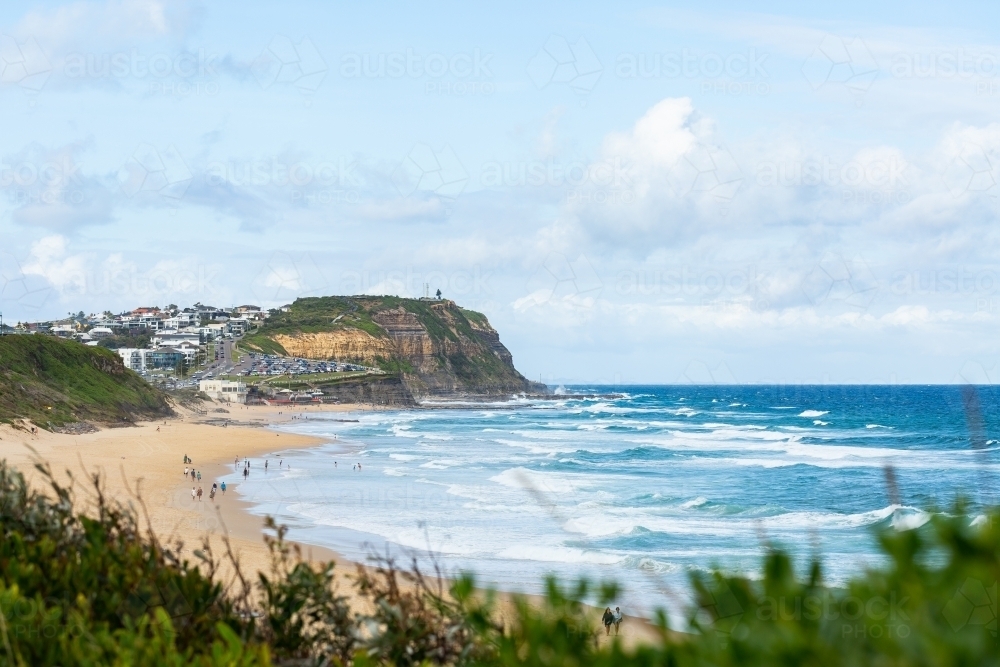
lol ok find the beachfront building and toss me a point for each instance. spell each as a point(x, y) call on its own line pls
point(224, 390)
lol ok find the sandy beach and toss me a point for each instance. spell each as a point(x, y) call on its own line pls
point(148, 459)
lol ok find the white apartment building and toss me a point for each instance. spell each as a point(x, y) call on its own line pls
point(224, 390)
point(173, 338)
point(142, 360)
point(134, 358)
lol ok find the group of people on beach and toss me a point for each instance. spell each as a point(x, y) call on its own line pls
point(196, 492)
point(612, 618)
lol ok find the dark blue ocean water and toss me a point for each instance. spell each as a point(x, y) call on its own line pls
point(643, 488)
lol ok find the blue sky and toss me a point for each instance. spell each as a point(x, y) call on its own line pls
point(632, 192)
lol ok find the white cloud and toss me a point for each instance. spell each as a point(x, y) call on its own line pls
point(77, 24)
point(49, 258)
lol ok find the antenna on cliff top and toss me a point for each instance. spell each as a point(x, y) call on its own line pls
point(427, 290)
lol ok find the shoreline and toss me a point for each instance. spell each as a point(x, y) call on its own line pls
point(148, 459)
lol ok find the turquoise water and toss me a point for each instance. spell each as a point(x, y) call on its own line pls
point(644, 488)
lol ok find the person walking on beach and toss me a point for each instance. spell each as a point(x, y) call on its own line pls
point(618, 619)
point(186, 471)
point(211, 494)
point(199, 475)
point(194, 494)
point(223, 487)
point(265, 465)
point(199, 493)
point(608, 619)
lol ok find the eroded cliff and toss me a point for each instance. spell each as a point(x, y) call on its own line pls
point(439, 348)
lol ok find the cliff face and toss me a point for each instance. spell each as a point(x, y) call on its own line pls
point(346, 344)
point(439, 348)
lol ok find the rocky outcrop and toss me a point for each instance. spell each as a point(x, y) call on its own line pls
point(438, 348)
point(386, 391)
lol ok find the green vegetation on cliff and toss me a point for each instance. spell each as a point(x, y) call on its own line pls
point(439, 347)
point(52, 382)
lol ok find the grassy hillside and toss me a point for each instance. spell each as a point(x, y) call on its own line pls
point(439, 347)
point(53, 382)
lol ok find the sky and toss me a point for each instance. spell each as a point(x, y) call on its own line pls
point(632, 192)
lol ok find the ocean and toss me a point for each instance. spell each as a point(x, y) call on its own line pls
point(643, 485)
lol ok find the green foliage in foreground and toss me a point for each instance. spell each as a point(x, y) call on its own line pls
point(98, 590)
point(53, 382)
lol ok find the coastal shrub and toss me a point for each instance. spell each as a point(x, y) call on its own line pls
point(96, 589)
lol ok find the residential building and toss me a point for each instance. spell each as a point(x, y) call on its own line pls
point(141, 361)
point(173, 337)
point(133, 358)
point(181, 320)
point(238, 326)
